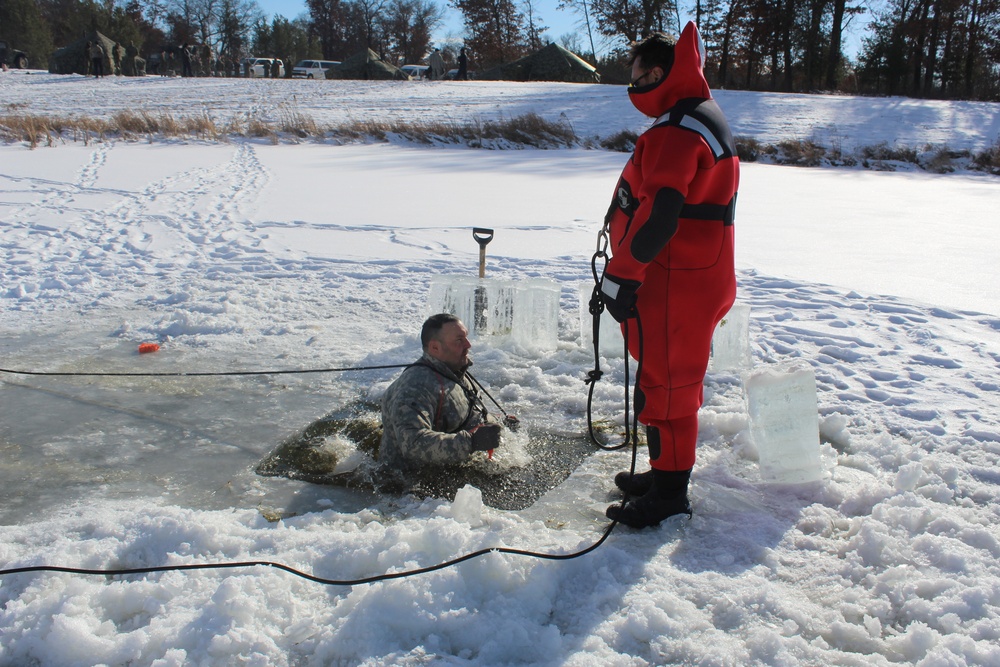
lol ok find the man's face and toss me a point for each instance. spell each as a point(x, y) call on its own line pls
point(642, 76)
point(452, 346)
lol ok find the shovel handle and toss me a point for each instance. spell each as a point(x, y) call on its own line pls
point(482, 236)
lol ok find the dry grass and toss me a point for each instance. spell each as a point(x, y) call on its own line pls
point(941, 160)
point(881, 156)
point(528, 130)
point(127, 125)
point(989, 160)
point(748, 149)
point(37, 130)
point(620, 142)
point(297, 124)
point(801, 153)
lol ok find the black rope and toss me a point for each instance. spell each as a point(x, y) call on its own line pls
point(510, 421)
point(596, 307)
point(202, 373)
point(234, 373)
point(306, 575)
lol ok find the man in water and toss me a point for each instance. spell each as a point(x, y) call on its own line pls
point(432, 413)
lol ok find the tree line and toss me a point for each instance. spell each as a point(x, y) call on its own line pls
point(922, 48)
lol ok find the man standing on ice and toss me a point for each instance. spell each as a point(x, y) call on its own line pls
point(672, 275)
point(432, 413)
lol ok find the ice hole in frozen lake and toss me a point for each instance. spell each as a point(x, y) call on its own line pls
point(340, 450)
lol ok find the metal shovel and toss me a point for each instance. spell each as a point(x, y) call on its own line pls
point(483, 236)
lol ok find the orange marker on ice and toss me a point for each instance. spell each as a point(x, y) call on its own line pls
point(145, 348)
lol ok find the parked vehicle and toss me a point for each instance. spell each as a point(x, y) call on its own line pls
point(12, 57)
point(416, 71)
point(261, 67)
point(313, 69)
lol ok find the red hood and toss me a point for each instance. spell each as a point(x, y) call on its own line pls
point(685, 78)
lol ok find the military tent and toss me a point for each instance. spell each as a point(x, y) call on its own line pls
point(551, 63)
point(365, 65)
point(74, 59)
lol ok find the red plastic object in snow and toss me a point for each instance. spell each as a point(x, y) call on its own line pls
point(145, 348)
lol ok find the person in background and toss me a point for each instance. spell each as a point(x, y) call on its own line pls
point(130, 65)
point(432, 413)
point(118, 55)
point(436, 62)
point(672, 270)
point(186, 61)
point(463, 66)
point(96, 58)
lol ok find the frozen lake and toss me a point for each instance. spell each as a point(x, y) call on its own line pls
point(189, 441)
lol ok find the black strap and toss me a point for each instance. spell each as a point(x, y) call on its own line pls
point(703, 117)
point(471, 395)
point(724, 212)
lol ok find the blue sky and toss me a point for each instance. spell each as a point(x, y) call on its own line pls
point(559, 22)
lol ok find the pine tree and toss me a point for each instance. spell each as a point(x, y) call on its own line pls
point(23, 28)
point(496, 31)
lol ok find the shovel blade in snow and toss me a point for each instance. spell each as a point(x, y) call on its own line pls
point(481, 322)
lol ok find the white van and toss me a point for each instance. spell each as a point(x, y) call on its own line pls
point(313, 69)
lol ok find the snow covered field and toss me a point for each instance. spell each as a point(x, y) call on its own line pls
point(251, 256)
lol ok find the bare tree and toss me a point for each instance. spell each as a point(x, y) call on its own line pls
point(534, 29)
point(235, 17)
point(409, 25)
point(496, 30)
point(934, 47)
point(582, 8)
point(328, 22)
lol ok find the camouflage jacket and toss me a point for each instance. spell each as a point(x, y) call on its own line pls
point(426, 414)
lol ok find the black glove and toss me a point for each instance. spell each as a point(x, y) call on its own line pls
point(486, 437)
point(619, 296)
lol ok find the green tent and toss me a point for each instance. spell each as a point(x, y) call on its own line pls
point(366, 65)
point(552, 63)
point(74, 59)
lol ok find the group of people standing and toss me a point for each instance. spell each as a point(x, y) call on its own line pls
point(188, 61)
point(437, 70)
point(123, 60)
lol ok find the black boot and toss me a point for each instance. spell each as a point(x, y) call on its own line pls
point(640, 483)
point(666, 497)
point(634, 485)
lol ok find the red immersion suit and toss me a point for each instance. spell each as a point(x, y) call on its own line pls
point(671, 230)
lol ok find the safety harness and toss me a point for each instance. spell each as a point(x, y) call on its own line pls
point(704, 118)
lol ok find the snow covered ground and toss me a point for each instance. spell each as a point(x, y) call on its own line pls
point(251, 256)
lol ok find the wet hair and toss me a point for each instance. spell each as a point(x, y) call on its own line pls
point(432, 327)
point(657, 50)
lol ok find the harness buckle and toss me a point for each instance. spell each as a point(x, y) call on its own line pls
point(602, 242)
